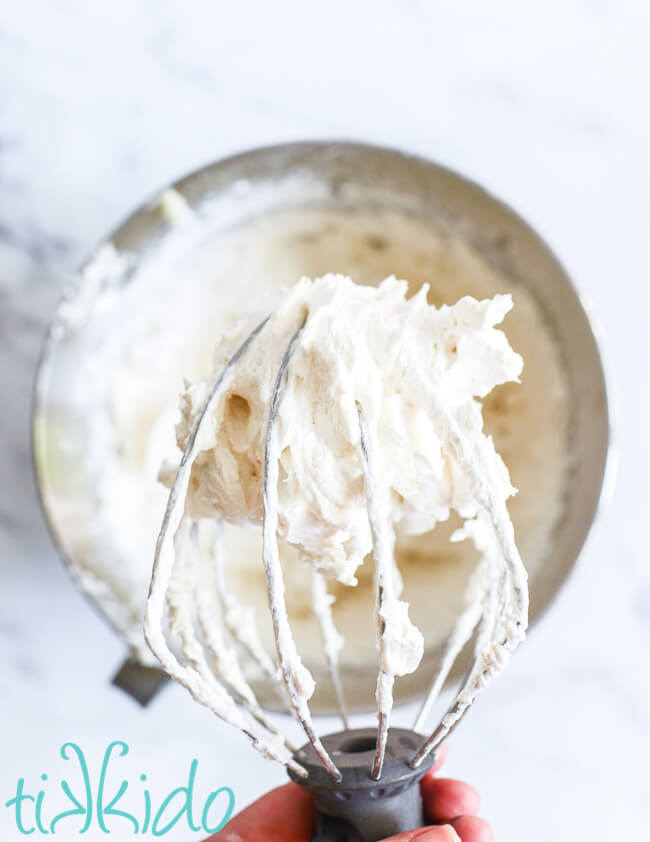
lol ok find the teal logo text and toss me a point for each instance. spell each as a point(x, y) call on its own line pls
point(104, 805)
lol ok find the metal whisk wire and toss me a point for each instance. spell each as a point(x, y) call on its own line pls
point(193, 670)
point(287, 654)
point(500, 613)
point(505, 606)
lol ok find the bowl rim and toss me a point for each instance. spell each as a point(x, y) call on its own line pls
point(75, 283)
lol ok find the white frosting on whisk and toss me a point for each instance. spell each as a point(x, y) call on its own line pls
point(360, 344)
point(410, 374)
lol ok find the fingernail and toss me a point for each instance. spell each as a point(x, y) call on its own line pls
point(473, 827)
point(441, 833)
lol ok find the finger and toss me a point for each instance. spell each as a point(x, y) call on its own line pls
point(441, 756)
point(445, 798)
point(473, 829)
point(444, 833)
point(285, 814)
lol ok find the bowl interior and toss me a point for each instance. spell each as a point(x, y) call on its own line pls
point(338, 176)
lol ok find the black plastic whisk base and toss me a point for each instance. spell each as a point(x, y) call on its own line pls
point(359, 808)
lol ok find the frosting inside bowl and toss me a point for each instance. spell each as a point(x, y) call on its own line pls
point(189, 296)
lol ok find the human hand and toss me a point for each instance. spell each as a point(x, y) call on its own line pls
point(286, 814)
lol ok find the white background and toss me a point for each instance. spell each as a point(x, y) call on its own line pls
point(547, 105)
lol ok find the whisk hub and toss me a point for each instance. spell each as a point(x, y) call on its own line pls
point(360, 807)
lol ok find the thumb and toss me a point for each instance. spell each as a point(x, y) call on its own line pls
point(285, 814)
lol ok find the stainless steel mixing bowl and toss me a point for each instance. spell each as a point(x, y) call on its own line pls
point(342, 174)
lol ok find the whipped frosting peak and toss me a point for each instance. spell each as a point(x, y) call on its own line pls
point(360, 345)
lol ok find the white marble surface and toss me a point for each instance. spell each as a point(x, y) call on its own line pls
point(546, 104)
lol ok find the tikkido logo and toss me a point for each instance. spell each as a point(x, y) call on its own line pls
point(85, 807)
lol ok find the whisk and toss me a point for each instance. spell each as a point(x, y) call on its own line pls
point(363, 781)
